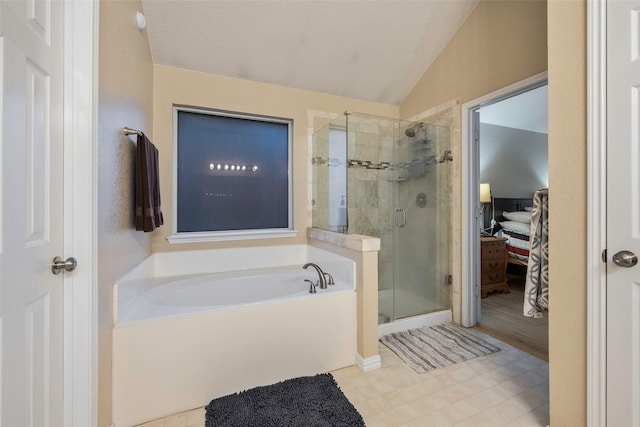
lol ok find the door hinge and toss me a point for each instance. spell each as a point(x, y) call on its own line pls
point(448, 279)
point(604, 256)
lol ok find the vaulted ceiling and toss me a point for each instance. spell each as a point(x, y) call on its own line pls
point(373, 50)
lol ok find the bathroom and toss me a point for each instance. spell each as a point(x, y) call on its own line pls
point(179, 86)
point(142, 94)
point(160, 302)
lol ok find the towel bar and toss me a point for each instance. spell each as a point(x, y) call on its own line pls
point(129, 131)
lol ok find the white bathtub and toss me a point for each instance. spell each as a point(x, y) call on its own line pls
point(174, 295)
point(181, 340)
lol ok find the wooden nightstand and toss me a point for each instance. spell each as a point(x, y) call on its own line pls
point(493, 265)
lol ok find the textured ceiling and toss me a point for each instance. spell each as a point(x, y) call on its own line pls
point(364, 49)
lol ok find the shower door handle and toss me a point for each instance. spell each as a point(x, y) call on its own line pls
point(401, 218)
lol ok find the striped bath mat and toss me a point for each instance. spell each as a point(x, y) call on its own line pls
point(428, 348)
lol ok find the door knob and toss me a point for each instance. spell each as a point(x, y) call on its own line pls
point(57, 265)
point(625, 259)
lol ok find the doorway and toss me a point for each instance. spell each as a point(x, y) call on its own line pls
point(513, 164)
point(504, 149)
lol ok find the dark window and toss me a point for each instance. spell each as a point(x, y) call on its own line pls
point(232, 172)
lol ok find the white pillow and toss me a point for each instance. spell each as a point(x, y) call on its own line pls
point(520, 216)
point(518, 227)
point(528, 208)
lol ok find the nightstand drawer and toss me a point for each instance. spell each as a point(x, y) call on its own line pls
point(493, 264)
point(493, 272)
point(493, 250)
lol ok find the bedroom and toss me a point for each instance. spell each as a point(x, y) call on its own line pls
point(513, 165)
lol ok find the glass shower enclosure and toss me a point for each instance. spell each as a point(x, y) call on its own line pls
point(389, 178)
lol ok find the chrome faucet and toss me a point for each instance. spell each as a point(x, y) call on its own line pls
point(322, 280)
point(312, 286)
point(329, 278)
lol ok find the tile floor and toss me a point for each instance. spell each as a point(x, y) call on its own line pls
point(508, 388)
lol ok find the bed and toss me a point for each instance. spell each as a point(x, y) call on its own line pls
point(524, 223)
point(517, 240)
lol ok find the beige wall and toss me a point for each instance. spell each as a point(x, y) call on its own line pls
point(186, 87)
point(125, 99)
point(568, 211)
point(500, 43)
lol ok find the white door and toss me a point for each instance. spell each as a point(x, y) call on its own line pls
point(31, 317)
point(623, 212)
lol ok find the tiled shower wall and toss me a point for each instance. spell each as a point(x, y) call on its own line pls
point(383, 165)
point(447, 181)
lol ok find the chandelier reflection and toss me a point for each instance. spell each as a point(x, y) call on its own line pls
point(232, 168)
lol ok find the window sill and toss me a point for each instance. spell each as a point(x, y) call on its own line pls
point(221, 236)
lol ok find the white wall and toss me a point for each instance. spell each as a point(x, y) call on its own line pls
point(515, 162)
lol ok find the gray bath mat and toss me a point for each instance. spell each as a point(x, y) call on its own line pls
point(306, 401)
point(428, 348)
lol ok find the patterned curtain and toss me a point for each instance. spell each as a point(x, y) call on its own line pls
point(536, 288)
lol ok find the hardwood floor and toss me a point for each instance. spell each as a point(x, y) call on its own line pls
point(502, 318)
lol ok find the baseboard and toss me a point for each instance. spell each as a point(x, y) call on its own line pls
point(413, 322)
point(369, 364)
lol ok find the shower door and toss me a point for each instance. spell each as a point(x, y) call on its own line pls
point(420, 221)
point(387, 178)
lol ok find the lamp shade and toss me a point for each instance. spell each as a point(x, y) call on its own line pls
point(485, 193)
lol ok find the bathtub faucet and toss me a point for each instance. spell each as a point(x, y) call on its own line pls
point(329, 278)
point(312, 286)
point(322, 280)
